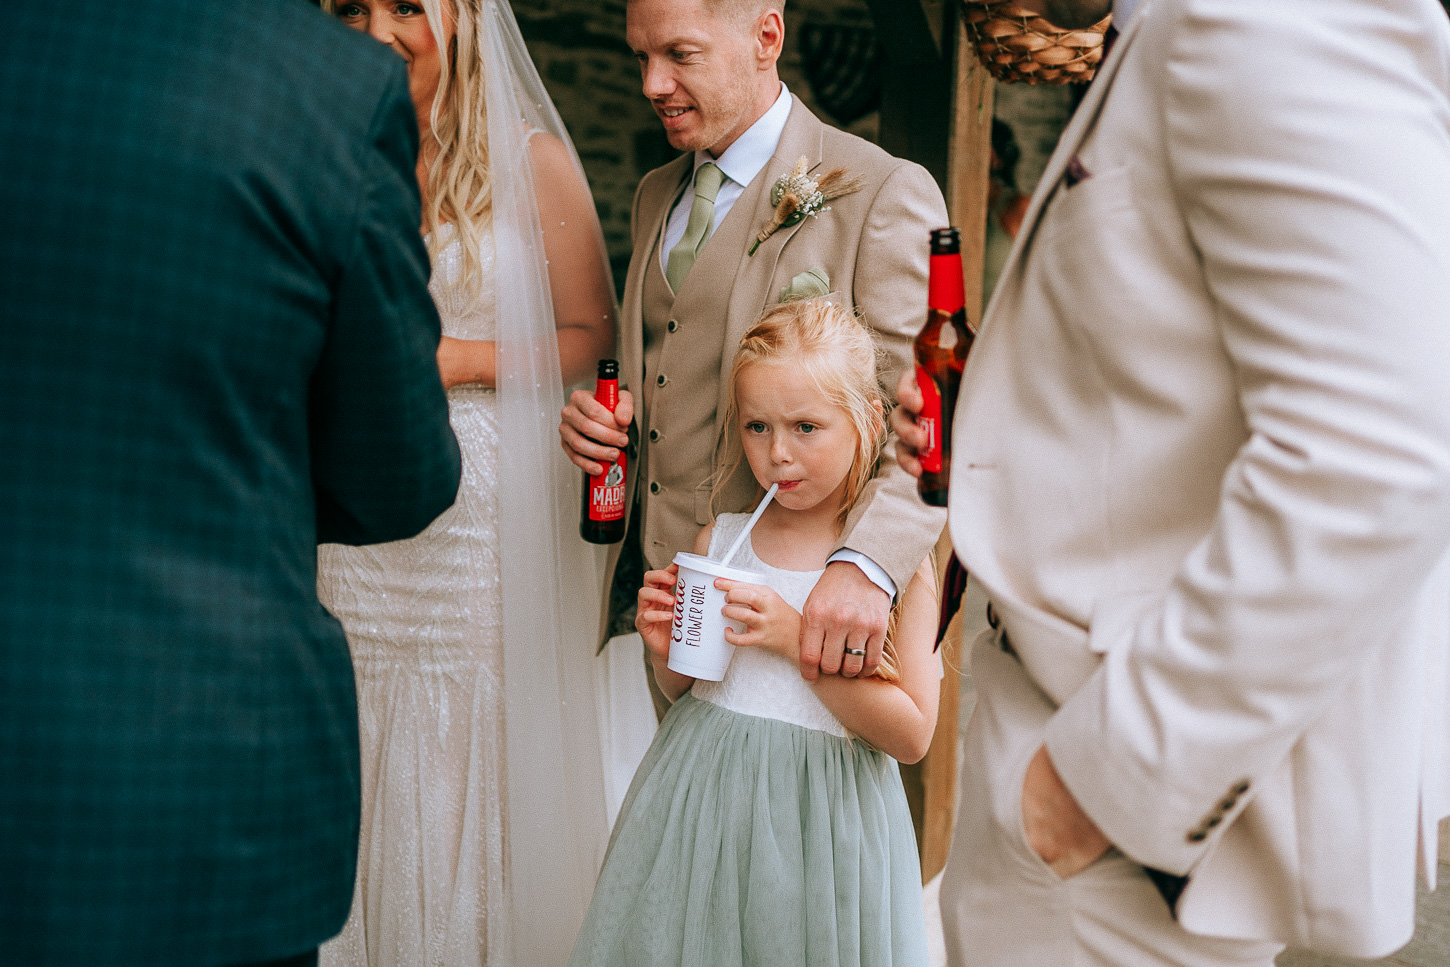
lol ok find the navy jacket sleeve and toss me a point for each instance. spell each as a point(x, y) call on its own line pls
point(385, 462)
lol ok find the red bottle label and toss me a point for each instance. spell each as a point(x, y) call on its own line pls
point(930, 421)
point(606, 391)
point(606, 492)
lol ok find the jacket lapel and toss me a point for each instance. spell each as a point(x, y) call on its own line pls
point(752, 277)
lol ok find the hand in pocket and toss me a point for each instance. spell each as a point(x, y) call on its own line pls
point(1057, 829)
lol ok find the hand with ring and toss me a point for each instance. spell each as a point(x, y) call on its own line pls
point(846, 616)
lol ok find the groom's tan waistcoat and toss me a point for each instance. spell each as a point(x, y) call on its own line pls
point(677, 348)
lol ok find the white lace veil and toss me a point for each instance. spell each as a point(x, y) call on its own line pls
point(557, 827)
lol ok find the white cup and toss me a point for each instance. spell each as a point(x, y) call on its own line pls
point(697, 640)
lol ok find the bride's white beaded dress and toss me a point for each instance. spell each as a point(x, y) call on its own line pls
point(424, 623)
point(484, 812)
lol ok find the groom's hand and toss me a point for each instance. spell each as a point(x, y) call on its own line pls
point(1057, 828)
point(845, 610)
point(910, 437)
point(590, 433)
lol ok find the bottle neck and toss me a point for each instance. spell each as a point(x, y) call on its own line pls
point(946, 289)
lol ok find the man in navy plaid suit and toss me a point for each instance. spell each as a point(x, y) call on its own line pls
point(217, 350)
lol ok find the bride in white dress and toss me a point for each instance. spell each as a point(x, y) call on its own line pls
point(483, 814)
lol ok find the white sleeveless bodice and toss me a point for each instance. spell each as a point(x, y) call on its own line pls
point(466, 312)
point(758, 682)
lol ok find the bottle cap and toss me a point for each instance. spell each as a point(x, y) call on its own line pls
point(946, 241)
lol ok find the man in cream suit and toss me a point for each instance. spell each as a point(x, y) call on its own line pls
point(1202, 468)
point(693, 288)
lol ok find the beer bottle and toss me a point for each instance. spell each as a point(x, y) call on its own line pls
point(601, 512)
point(941, 353)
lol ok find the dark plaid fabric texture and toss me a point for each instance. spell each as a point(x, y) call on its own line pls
point(217, 349)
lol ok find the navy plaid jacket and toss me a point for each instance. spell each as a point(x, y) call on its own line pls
point(217, 350)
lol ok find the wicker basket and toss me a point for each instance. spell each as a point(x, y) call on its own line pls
point(1016, 45)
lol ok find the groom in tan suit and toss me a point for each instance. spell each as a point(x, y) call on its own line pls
point(693, 288)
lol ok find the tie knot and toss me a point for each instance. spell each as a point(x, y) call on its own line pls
point(708, 178)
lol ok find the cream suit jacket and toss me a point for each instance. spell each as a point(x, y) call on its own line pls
point(873, 245)
point(1202, 458)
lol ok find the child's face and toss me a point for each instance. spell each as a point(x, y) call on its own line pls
point(794, 436)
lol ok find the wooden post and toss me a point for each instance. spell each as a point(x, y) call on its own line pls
point(969, 163)
point(969, 147)
point(936, 109)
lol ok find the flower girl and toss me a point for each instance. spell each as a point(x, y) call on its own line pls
point(767, 824)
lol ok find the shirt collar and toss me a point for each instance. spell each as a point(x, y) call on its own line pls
point(1123, 11)
point(750, 152)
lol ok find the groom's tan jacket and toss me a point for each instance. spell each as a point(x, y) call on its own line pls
point(677, 348)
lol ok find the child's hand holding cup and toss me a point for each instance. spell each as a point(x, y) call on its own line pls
point(655, 611)
point(697, 645)
point(768, 620)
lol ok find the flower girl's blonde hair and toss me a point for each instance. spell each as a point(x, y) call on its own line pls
point(828, 345)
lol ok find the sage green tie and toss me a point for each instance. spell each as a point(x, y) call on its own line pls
point(702, 215)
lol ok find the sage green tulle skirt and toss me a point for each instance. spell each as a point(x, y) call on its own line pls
point(751, 842)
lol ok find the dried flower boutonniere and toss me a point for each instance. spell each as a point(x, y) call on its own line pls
point(797, 196)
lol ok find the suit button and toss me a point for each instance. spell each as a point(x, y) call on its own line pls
point(654, 486)
point(1198, 836)
point(1240, 787)
point(673, 325)
point(661, 379)
point(654, 436)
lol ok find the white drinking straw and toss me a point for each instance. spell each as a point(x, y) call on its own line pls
point(730, 554)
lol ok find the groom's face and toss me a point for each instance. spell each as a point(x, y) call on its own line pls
point(707, 74)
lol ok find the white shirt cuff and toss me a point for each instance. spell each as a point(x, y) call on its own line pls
point(868, 567)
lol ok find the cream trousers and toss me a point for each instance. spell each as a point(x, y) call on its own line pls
point(1002, 906)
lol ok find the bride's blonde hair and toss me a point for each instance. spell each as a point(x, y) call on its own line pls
point(457, 186)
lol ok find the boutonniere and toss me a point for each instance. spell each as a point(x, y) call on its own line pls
point(798, 196)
